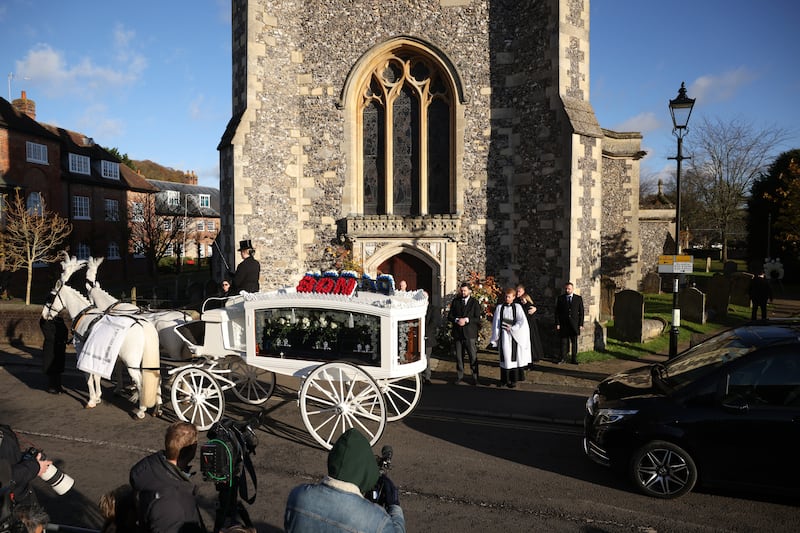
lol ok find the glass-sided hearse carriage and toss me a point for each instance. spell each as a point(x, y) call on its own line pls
point(357, 345)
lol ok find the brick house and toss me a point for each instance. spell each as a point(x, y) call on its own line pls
point(76, 178)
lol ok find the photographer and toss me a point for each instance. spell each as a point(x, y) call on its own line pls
point(161, 482)
point(337, 503)
point(23, 469)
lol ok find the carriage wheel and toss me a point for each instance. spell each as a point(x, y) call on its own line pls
point(252, 384)
point(338, 396)
point(402, 395)
point(197, 398)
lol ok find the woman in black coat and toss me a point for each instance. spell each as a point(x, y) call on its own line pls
point(524, 299)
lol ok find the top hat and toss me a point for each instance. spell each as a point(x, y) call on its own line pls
point(245, 245)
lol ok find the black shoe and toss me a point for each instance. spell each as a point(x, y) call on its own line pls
point(512, 385)
point(54, 390)
point(475, 380)
point(502, 384)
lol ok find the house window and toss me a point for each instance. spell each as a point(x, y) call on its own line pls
point(204, 200)
point(166, 224)
point(200, 225)
point(110, 170)
point(36, 153)
point(79, 164)
point(80, 208)
point(406, 113)
point(113, 251)
point(181, 223)
point(137, 212)
point(173, 198)
point(211, 226)
point(83, 251)
point(112, 210)
point(169, 250)
point(34, 203)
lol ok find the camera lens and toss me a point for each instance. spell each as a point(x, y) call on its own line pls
point(58, 480)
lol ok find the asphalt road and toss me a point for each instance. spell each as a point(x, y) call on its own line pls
point(468, 459)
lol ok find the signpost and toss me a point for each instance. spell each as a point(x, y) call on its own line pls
point(675, 264)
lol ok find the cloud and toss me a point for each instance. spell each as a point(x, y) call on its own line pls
point(720, 87)
point(643, 123)
point(196, 111)
point(50, 71)
point(96, 123)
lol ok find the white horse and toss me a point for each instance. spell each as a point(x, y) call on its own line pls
point(170, 344)
point(138, 351)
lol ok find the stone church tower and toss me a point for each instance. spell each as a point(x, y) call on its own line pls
point(433, 137)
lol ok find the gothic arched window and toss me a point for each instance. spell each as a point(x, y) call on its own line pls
point(406, 112)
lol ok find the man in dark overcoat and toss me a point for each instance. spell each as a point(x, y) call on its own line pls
point(569, 322)
point(465, 318)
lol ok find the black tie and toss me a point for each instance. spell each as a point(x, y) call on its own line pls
point(569, 299)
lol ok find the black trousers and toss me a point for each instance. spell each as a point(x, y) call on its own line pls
point(569, 344)
point(469, 346)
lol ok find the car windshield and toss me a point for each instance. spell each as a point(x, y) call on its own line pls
point(704, 358)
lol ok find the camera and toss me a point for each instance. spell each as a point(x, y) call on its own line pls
point(225, 460)
point(60, 482)
point(384, 460)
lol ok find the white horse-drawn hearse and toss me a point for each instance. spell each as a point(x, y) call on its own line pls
point(356, 344)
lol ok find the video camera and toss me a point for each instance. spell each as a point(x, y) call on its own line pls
point(225, 460)
point(378, 494)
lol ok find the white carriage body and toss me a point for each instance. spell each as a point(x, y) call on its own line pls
point(291, 333)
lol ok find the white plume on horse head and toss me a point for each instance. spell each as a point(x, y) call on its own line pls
point(93, 263)
point(70, 265)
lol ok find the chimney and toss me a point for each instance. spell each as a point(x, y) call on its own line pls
point(190, 177)
point(25, 106)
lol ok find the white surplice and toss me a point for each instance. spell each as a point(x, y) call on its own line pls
point(520, 333)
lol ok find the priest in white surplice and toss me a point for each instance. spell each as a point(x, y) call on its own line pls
point(511, 335)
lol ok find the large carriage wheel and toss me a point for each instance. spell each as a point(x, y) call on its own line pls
point(338, 396)
point(252, 384)
point(402, 395)
point(197, 397)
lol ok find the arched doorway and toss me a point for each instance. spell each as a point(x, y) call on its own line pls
point(412, 269)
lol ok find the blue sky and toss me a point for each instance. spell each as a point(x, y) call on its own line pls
point(152, 77)
point(739, 59)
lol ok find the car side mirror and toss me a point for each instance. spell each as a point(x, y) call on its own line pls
point(736, 404)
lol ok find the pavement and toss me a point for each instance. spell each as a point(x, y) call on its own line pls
point(550, 393)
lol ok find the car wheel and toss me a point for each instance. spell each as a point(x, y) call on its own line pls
point(663, 470)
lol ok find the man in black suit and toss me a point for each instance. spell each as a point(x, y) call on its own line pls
point(465, 317)
point(569, 322)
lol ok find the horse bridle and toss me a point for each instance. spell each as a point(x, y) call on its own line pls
point(55, 293)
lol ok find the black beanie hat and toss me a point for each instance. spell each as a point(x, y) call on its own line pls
point(351, 460)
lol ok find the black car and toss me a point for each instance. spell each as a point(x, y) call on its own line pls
point(724, 413)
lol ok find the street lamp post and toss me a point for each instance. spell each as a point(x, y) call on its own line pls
point(185, 215)
point(681, 109)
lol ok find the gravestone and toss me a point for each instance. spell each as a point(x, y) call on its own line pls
point(740, 288)
point(628, 315)
point(729, 267)
point(651, 284)
point(608, 291)
point(693, 305)
point(718, 295)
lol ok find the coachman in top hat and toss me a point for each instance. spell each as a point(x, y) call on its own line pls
point(248, 271)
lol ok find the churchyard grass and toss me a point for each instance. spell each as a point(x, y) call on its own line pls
point(660, 306)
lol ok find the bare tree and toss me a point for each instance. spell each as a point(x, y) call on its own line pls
point(153, 233)
point(31, 235)
point(726, 157)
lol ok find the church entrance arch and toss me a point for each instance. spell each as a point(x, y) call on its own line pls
point(404, 266)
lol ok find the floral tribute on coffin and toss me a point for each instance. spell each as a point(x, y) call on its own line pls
point(320, 333)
